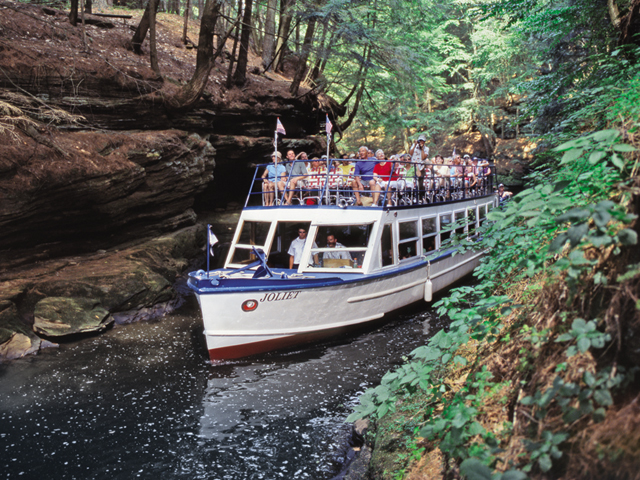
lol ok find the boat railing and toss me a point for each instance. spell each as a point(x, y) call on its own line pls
point(410, 183)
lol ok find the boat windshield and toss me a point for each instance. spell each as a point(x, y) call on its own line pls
point(252, 234)
point(340, 246)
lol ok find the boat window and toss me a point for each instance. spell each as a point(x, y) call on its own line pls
point(471, 219)
point(429, 234)
point(340, 246)
point(286, 233)
point(408, 230)
point(408, 244)
point(445, 225)
point(459, 219)
point(482, 214)
point(386, 246)
point(254, 233)
point(243, 256)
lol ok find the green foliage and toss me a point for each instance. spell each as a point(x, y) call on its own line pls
point(567, 211)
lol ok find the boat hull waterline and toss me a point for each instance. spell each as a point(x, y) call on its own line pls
point(291, 317)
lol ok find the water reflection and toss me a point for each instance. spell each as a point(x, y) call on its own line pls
point(141, 401)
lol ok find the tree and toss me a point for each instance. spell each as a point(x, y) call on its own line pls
point(268, 46)
point(190, 93)
point(153, 51)
point(240, 75)
point(286, 15)
point(143, 27)
point(304, 56)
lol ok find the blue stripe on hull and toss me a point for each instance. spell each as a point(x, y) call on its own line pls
point(204, 286)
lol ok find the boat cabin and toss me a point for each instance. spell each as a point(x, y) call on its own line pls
point(413, 220)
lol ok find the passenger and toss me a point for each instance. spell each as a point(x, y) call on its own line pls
point(270, 175)
point(290, 158)
point(503, 196)
point(472, 173)
point(338, 254)
point(363, 173)
point(484, 170)
point(406, 172)
point(441, 172)
point(383, 175)
point(419, 153)
point(297, 174)
point(456, 171)
point(345, 170)
point(296, 248)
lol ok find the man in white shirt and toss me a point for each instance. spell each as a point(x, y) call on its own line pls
point(296, 248)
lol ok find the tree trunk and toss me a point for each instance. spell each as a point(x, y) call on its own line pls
point(304, 55)
point(88, 6)
point(283, 32)
point(73, 13)
point(187, 10)
point(153, 51)
point(143, 27)
point(205, 59)
point(257, 36)
point(630, 25)
point(268, 45)
point(363, 78)
point(232, 59)
point(240, 75)
point(321, 52)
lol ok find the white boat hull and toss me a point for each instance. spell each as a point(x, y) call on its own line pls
point(284, 318)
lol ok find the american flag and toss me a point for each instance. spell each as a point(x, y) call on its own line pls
point(329, 125)
point(279, 128)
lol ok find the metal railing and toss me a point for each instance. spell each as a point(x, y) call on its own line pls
point(429, 183)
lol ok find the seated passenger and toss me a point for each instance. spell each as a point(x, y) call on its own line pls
point(382, 175)
point(317, 173)
point(406, 172)
point(469, 173)
point(345, 170)
point(271, 173)
point(297, 176)
point(441, 172)
point(456, 171)
point(340, 254)
point(363, 173)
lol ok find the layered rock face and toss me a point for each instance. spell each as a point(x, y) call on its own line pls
point(90, 191)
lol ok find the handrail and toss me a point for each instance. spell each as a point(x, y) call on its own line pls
point(329, 186)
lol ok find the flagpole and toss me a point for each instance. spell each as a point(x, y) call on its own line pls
point(275, 161)
point(328, 130)
point(208, 247)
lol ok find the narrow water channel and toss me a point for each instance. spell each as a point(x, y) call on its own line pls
point(142, 401)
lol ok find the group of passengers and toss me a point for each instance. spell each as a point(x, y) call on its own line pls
point(375, 172)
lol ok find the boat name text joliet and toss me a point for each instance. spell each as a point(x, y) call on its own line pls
point(274, 297)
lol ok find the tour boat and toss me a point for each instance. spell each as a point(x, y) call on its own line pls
point(387, 256)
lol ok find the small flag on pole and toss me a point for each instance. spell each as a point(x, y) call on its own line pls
point(329, 125)
point(279, 128)
point(212, 240)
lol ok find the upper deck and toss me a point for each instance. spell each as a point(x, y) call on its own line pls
point(332, 183)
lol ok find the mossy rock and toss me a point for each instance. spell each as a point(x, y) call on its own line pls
point(57, 316)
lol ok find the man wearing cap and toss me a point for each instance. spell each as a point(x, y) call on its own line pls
point(503, 196)
point(419, 153)
point(270, 176)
